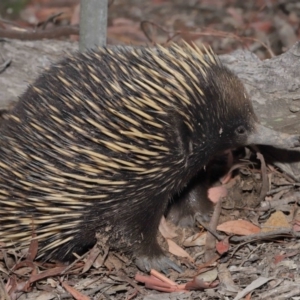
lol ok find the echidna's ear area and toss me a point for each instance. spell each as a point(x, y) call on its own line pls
point(234, 103)
point(222, 87)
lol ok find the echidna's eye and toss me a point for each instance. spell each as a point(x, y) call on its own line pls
point(240, 130)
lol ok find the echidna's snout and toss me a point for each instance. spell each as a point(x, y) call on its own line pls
point(262, 135)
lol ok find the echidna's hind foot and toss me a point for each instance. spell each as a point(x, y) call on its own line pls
point(161, 263)
point(192, 202)
point(148, 254)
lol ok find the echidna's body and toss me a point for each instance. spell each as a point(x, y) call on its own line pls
point(101, 142)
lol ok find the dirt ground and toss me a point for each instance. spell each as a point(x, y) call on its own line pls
point(254, 252)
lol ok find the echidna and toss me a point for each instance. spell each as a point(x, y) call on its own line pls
point(102, 140)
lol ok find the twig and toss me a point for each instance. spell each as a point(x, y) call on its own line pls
point(265, 235)
point(207, 228)
point(210, 245)
point(265, 183)
point(51, 33)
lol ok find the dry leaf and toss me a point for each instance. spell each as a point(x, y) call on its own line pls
point(205, 280)
point(167, 231)
point(198, 239)
point(76, 294)
point(240, 227)
point(177, 250)
point(223, 246)
point(279, 258)
point(277, 220)
point(257, 283)
point(209, 276)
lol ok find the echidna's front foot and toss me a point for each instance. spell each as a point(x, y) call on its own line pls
point(194, 201)
point(161, 263)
